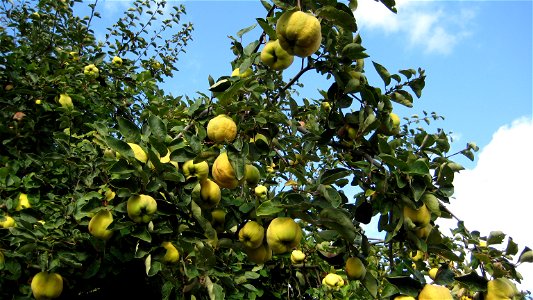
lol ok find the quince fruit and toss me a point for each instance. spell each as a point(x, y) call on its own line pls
point(65, 101)
point(99, 223)
point(210, 193)
point(299, 33)
point(261, 192)
point(333, 281)
point(423, 233)
point(420, 216)
point(297, 256)
point(139, 153)
point(45, 286)
point(433, 273)
point(23, 202)
point(223, 172)
point(404, 297)
point(91, 70)
point(435, 292)
point(222, 129)
point(418, 255)
point(8, 222)
point(191, 169)
point(218, 218)
point(355, 269)
point(259, 255)
point(172, 255)
point(251, 175)
point(141, 208)
point(283, 234)
point(501, 289)
point(117, 61)
point(275, 57)
point(252, 234)
point(392, 127)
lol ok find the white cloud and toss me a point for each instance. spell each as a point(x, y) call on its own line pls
point(496, 194)
point(424, 23)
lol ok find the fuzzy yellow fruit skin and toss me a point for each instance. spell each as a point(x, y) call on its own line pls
point(261, 191)
point(222, 129)
point(283, 235)
point(297, 256)
point(65, 101)
point(223, 172)
point(117, 61)
point(45, 286)
point(501, 289)
point(200, 170)
point(418, 255)
point(172, 255)
point(275, 57)
point(8, 222)
point(209, 193)
point(355, 269)
point(23, 202)
point(99, 223)
point(433, 273)
point(420, 216)
point(252, 175)
point(423, 233)
point(141, 208)
point(140, 155)
point(252, 235)
point(333, 281)
point(435, 292)
point(259, 255)
point(299, 33)
point(403, 297)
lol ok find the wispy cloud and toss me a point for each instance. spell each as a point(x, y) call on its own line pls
point(495, 195)
point(426, 24)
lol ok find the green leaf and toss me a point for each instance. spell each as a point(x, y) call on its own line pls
point(473, 282)
point(268, 208)
point(332, 175)
point(390, 4)
point(371, 284)
point(338, 17)
point(354, 51)
point(220, 86)
point(243, 31)
point(512, 247)
point(128, 129)
point(495, 237)
point(157, 126)
point(406, 285)
point(419, 167)
point(526, 256)
point(383, 73)
point(119, 146)
point(336, 219)
point(267, 29)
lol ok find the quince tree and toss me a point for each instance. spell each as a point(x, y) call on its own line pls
point(246, 191)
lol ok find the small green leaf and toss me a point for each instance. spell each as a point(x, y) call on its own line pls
point(267, 29)
point(495, 237)
point(338, 17)
point(332, 175)
point(157, 126)
point(129, 130)
point(336, 219)
point(383, 73)
point(268, 208)
point(243, 31)
point(526, 256)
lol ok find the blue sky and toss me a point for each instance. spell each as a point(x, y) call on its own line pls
point(478, 60)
